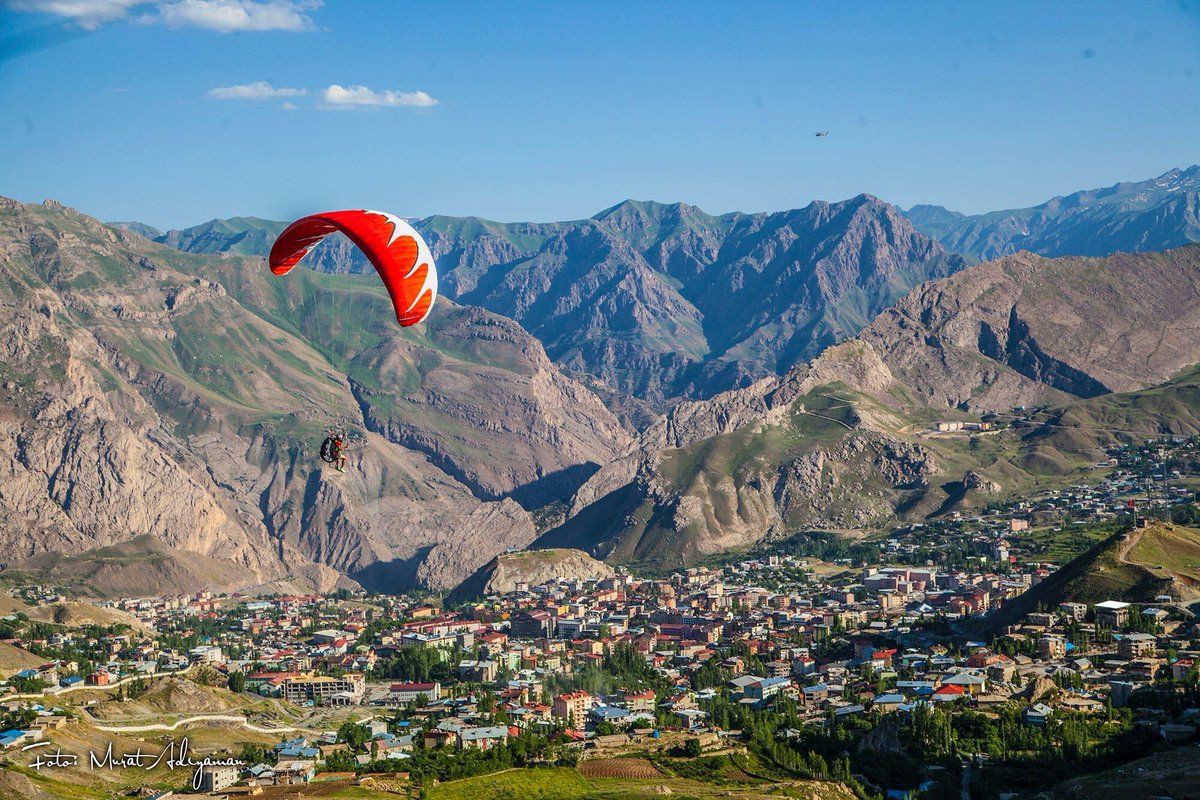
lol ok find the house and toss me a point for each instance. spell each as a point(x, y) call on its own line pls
point(294, 772)
point(1112, 613)
point(1136, 645)
point(478, 671)
point(766, 688)
point(14, 737)
point(614, 715)
point(888, 702)
point(389, 746)
point(482, 738)
point(814, 695)
point(1038, 714)
point(971, 684)
point(737, 686)
point(948, 693)
point(640, 701)
point(437, 738)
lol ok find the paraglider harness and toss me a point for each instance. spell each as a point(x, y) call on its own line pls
point(334, 445)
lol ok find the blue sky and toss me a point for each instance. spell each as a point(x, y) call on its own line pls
point(531, 111)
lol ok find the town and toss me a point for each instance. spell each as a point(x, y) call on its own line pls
point(816, 658)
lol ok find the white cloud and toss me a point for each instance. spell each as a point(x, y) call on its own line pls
point(226, 16)
point(337, 96)
point(259, 90)
point(87, 13)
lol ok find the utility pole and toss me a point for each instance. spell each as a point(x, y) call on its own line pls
point(1166, 476)
point(1147, 481)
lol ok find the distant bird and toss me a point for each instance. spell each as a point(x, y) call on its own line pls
point(822, 133)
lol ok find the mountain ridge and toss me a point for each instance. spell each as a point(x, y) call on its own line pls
point(1135, 216)
point(661, 301)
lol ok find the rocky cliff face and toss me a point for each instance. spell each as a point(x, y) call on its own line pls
point(502, 574)
point(1027, 330)
point(148, 392)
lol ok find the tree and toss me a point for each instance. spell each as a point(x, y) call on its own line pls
point(354, 735)
point(692, 748)
point(237, 682)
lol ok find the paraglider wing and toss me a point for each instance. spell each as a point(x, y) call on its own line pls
point(393, 247)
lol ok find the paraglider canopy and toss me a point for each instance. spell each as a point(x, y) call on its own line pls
point(393, 247)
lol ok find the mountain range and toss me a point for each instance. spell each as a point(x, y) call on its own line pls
point(1135, 216)
point(654, 302)
point(653, 384)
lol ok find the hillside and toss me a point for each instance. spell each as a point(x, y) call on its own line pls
point(1134, 566)
point(661, 301)
point(150, 392)
point(1026, 330)
point(532, 567)
point(1056, 438)
point(1136, 216)
point(139, 567)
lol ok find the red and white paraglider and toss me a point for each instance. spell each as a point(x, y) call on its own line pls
point(393, 247)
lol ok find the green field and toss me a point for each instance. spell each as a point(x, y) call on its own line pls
point(561, 783)
point(1174, 549)
point(1062, 545)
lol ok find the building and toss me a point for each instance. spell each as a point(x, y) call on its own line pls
point(1038, 714)
point(1076, 612)
point(814, 695)
point(215, 777)
point(1137, 645)
point(572, 708)
point(482, 738)
point(206, 654)
point(640, 701)
point(405, 693)
point(478, 671)
point(294, 772)
point(970, 684)
point(766, 688)
point(1053, 646)
point(1112, 613)
point(534, 625)
point(322, 687)
point(100, 678)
